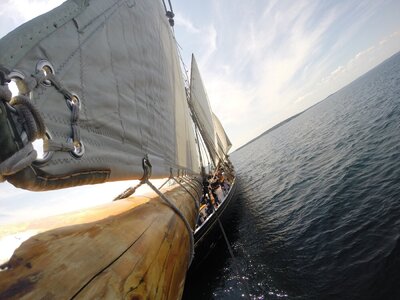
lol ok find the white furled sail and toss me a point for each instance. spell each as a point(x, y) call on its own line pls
point(201, 110)
point(106, 80)
point(223, 142)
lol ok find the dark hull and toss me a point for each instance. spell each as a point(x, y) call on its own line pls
point(206, 237)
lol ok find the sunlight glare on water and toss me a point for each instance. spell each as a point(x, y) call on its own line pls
point(317, 213)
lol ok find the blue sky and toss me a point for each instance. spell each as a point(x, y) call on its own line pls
point(261, 62)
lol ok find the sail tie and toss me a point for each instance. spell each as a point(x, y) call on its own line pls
point(147, 173)
point(18, 161)
point(5, 93)
point(32, 122)
point(28, 114)
point(74, 104)
point(30, 117)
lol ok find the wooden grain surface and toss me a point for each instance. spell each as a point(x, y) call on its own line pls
point(136, 248)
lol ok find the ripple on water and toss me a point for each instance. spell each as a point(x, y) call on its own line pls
point(318, 205)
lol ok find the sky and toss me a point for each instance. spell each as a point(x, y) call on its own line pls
point(262, 61)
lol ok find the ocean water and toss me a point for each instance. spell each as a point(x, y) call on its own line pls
point(318, 209)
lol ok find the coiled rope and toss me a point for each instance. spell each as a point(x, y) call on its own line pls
point(32, 121)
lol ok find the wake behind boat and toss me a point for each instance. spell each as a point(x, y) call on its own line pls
point(110, 105)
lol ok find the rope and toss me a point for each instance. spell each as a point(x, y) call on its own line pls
point(191, 185)
point(5, 93)
point(73, 103)
point(145, 179)
point(4, 78)
point(185, 69)
point(235, 263)
point(170, 6)
point(18, 161)
point(193, 197)
point(186, 179)
point(169, 13)
point(179, 213)
point(169, 178)
point(34, 127)
point(165, 7)
point(50, 145)
point(34, 123)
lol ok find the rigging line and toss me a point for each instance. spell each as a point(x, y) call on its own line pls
point(165, 7)
point(210, 160)
point(206, 138)
point(169, 178)
point(205, 149)
point(191, 185)
point(170, 6)
point(212, 149)
point(192, 181)
point(235, 262)
point(185, 69)
point(147, 170)
point(170, 14)
point(193, 197)
point(198, 148)
point(207, 143)
point(180, 214)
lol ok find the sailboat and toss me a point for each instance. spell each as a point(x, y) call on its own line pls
point(100, 84)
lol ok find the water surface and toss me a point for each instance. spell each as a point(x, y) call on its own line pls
point(318, 208)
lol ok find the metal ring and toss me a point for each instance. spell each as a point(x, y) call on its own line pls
point(42, 65)
point(75, 100)
point(46, 155)
point(18, 78)
point(79, 149)
point(16, 74)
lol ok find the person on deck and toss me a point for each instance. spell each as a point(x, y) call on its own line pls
point(217, 199)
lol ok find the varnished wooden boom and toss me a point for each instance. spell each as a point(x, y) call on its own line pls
point(136, 248)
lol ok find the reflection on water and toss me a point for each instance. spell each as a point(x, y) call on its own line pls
point(318, 210)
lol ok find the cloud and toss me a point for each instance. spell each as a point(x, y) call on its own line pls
point(301, 98)
point(274, 60)
point(180, 20)
point(209, 42)
point(254, 74)
point(337, 71)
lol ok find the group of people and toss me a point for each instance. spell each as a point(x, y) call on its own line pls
point(215, 188)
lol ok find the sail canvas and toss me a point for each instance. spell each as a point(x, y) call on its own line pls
point(119, 59)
